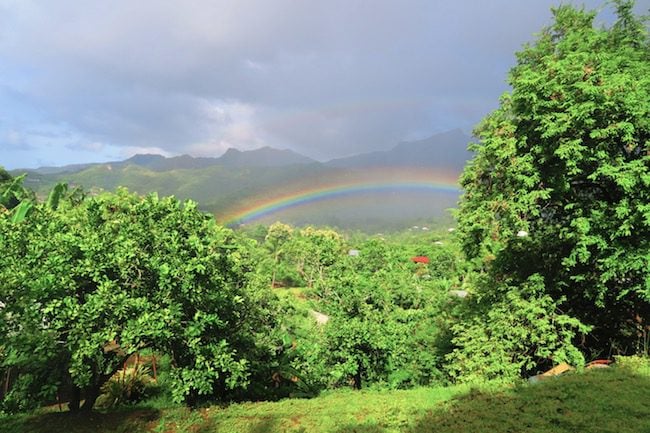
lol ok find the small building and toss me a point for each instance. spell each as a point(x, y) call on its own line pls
point(420, 259)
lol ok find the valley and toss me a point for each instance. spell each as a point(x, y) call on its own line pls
point(412, 183)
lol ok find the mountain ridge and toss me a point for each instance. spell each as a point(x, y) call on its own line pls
point(242, 179)
point(447, 150)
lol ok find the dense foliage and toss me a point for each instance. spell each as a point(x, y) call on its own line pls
point(300, 257)
point(363, 313)
point(87, 285)
point(559, 191)
point(551, 263)
point(15, 199)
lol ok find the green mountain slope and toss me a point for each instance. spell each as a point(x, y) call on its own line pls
point(213, 187)
point(447, 150)
point(239, 182)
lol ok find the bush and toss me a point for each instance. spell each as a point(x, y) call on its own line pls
point(128, 385)
point(513, 338)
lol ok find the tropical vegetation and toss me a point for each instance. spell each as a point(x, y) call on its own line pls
point(117, 299)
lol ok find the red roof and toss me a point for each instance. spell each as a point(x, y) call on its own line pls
point(420, 259)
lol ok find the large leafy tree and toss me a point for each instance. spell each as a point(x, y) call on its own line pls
point(300, 256)
point(559, 189)
point(278, 235)
point(313, 251)
point(386, 320)
point(88, 284)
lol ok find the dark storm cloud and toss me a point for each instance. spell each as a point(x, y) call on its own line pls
point(324, 78)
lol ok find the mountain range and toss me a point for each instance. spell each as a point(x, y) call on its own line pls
point(238, 179)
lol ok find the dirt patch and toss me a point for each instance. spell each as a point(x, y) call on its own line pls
point(321, 318)
point(295, 421)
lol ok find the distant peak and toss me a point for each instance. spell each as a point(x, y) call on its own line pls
point(456, 132)
point(262, 157)
point(147, 155)
point(452, 133)
point(139, 157)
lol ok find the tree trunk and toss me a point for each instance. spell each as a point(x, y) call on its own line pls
point(75, 399)
point(357, 379)
point(275, 269)
point(192, 399)
point(273, 279)
point(91, 395)
point(94, 390)
point(5, 389)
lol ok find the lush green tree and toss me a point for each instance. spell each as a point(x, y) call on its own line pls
point(88, 284)
point(358, 333)
point(276, 239)
point(325, 248)
point(386, 320)
point(559, 188)
point(256, 232)
point(312, 251)
point(513, 337)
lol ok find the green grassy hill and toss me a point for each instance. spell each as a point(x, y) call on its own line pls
point(247, 179)
point(215, 187)
point(607, 400)
point(223, 190)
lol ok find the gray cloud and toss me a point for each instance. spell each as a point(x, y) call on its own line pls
point(324, 78)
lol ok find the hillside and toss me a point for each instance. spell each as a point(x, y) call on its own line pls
point(605, 401)
point(235, 184)
point(214, 187)
point(262, 157)
point(447, 150)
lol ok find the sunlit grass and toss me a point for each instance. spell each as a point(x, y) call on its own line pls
point(608, 400)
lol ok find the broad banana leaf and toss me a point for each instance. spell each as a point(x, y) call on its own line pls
point(21, 211)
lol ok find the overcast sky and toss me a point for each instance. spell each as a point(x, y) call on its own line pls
point(85, 81)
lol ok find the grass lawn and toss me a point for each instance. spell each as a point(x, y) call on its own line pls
point(613, 400)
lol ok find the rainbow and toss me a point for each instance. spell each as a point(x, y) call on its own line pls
point(382, 181)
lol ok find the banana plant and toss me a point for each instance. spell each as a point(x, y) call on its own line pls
point(20, 212)
point(13, 193)
point(20, 201)
point(58, 192)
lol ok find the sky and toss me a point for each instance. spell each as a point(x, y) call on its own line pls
point(91, 81)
